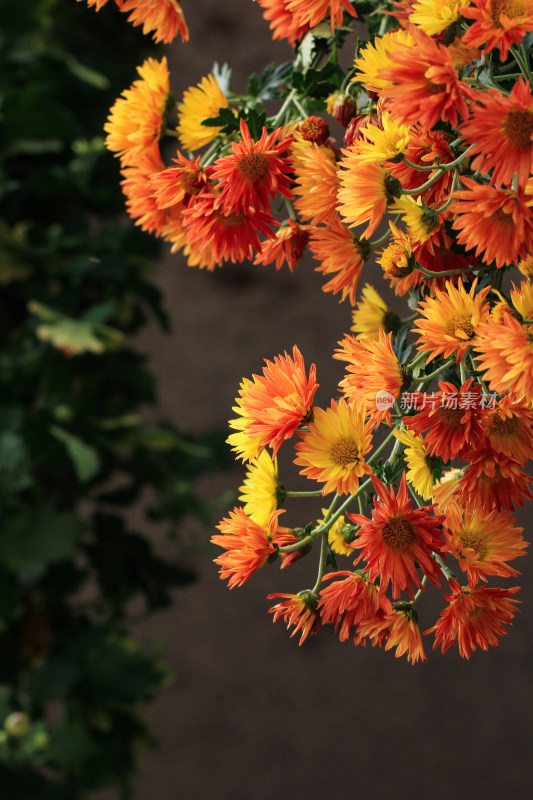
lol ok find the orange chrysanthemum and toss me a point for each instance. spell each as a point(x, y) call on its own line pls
point(365, 191)
point(483, 541)
point(348, 602)
point(272, 406)
point(397, 539)
point(403, 633)
point(177, 185)
point(498, 223)
point(450, 416)
point(233, 236)
point(509, 428)
point(342, 255)
point(287, 247)
point(311, 12)
point(426, 88)
point(424, 148)
point(373, 372)
point(397, 262)
point(377, 56)
point(317, 183)
point(164, 17)
point(500, 132)
point(254, 172)
point(506, 356)
point(498, 23)
point(299, 611)
point(449, 321)
point(248, 545)
point(140, 200)
point(283, 24)
point(493, 481)
point(332, 450)
point(475, 617)
point(136, 119)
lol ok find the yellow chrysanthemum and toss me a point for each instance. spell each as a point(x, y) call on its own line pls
point(376, 56)
point(371, 315)
point(261, 492)
point(386, 143)
point(340, 535)
point(199, 103)
point(332, 450)
point(434, 16)
point(419, 220)
point(522, 299)
point(419, 463)
point(525, 265)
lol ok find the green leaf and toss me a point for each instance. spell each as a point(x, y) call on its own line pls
point(38, 536)
point(84, 457)
point(73, 337)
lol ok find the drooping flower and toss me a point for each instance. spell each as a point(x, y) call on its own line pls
point(403, 633)
point(498, 23)
point(397, 261)
point(449, 321)
point(136, 118)
point(272, 405)
point(365, 191)
point(332, 450)
point(340, 536)
point(500, 132)
point(372, 314)
point(474, 617)
point(350, 600)
point(299, 611)
point(164, 17)
point(493, 481)
point(497, 223)
point(373, 374)
point(505, 354)
point(483, 541)
point(261, 491)
point(254, 172)
point(317, 183)
point(287, 246)
point(248, 546)
point(341, 255)
point(420, 465)
point(397, 539)
point(199, 103)
point(311, 12)
point(445, 489)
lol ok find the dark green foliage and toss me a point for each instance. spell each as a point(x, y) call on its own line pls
point(75, 451)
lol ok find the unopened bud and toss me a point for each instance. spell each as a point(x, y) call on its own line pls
point(344, 109)
point(356, 128)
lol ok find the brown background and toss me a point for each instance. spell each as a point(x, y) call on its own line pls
point(251, 715)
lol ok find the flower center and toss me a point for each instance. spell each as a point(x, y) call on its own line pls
point(253, 166)
point(398, 534)
point(450, 416)
point(476, 542)
point(511, 9)
point(230, 220)
point(505, 426)
point(460, 326)
point(345, 452)
point(518, 127)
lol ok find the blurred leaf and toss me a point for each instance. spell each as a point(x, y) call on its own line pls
point(85, 458)
point(38, 536)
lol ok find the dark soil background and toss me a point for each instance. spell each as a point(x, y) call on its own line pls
point(251, 715)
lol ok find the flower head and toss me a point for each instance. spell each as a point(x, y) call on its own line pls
point(506, 356)
point(498, 23)
point(349, 600)
point(311, 12)
point(199, 103)
point(420, 465)
point(261, 491)
point(164, 17)
point(317, 184)
point(371, 315)
point(248, 545)
point(299, 611)
point(283, 24)
point(341, 255)
point(287, 246)
point(366, 189)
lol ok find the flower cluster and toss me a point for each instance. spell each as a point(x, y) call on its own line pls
point(431, 426)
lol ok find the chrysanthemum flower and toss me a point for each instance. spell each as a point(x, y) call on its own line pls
point(140, 201)
point(493, 481)
point(475, 617)
point(420, 220)
point(397, 262)
point(398, 538)
point(500, 132)
point(420, 465)
point(505, 354)
point(426, 88)
point(404, 634)
point(498, 223)
point(176, 185)
point(365, 191)
point(287, 246)
point(451, 418)
point(283, 24)
point(498, 23)
point(424, 148)
point(298, 611)
point(332, 450)
point(372, 368)
point(254, 172)
point(261, 491)
point(509, 428)
point(273, 405)
point(311, 12)
point(434, 16)
point(340, 536)
point(525, 265)
point(246, 446)
point(136, 119)
point(317, 183)
point(385, 142)
point(348, 602)
point(371, 315)
point(164, 17)
point(445, 489)
point(342, 255)
point(522, 299)
point(248, 545)
point(449, 321)
point(233, 236)
point(376, 56)
point(200, 102)
point(483, 541)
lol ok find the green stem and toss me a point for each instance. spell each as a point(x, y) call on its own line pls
point(444, 569)
point(418, 360)
point(381, 447)
point(427, 378)
point(321, 563)
point(376, 242)
point(419, 592)
point(316, 493)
